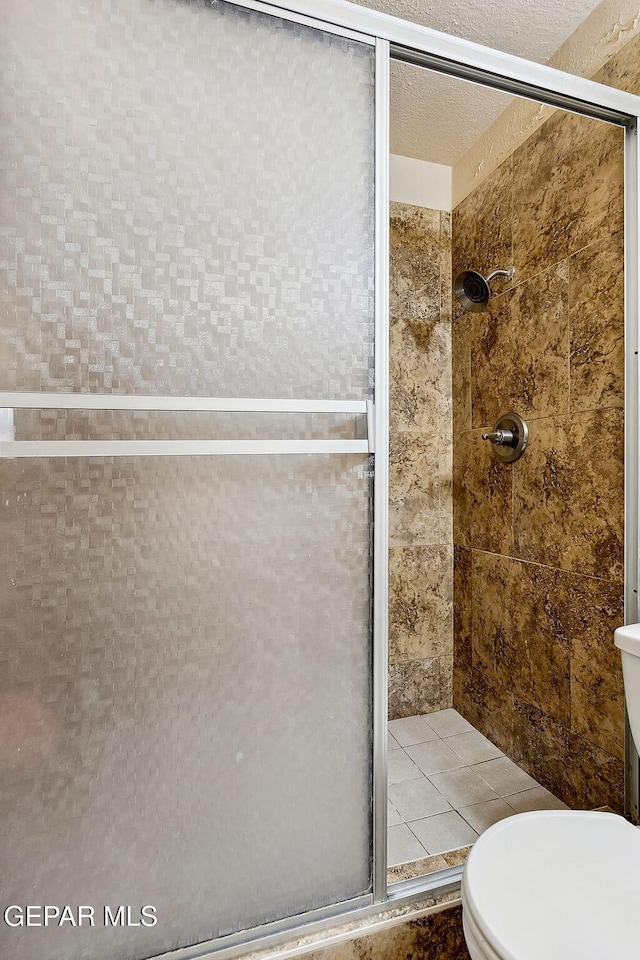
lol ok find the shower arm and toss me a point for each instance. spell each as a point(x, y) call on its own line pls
point(508, 273)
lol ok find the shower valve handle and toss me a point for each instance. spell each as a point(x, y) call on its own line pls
point(509, 438)
point(503, 438)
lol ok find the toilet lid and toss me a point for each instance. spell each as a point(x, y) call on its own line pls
point(557, 885)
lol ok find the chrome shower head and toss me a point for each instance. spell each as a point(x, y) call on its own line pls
point(474, 291)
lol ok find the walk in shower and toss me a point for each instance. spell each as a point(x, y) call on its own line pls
point(194, 463)
point(506, 524)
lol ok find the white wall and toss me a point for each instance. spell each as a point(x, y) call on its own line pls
point(420, 183)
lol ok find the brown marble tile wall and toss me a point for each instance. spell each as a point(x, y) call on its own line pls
point(437, 936)
point(539, 543)
point(421, 452)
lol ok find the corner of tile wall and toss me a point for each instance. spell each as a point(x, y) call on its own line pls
point(421, 463)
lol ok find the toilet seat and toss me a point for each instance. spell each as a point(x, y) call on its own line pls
point(554, 885)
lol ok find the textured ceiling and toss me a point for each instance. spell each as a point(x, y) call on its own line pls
point(438, 118)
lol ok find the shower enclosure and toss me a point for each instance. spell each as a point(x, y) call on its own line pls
point(193, 459)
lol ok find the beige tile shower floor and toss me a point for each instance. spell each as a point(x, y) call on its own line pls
point(448, 783)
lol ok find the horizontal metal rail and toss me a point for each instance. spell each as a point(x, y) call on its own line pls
point(175, 448)
point(112, 401)
point(11, 448)
point(467, 60)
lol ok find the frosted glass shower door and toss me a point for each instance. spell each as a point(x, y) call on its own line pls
point(185, 654)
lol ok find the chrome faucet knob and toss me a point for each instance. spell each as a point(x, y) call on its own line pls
point(508, 438)
point(504, 438)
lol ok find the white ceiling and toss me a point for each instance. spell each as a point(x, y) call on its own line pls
point(437, 118)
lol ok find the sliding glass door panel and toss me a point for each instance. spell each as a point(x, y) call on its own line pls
point(185, 668)
point(185, 641)
point(190, 206)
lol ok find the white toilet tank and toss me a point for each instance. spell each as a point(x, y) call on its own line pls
point(627, 639)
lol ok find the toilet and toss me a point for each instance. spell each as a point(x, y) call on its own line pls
point(559, 884)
